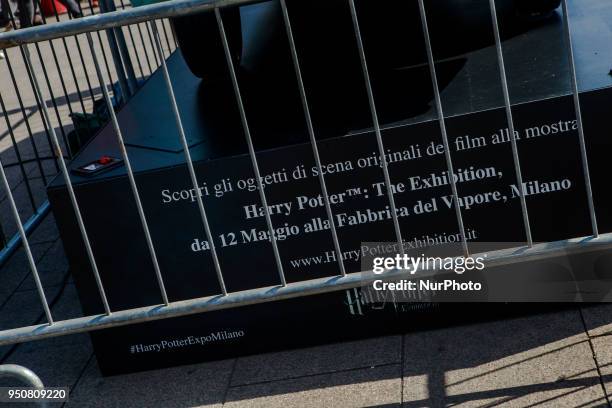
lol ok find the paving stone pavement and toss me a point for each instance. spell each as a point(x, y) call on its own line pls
point(560, 359)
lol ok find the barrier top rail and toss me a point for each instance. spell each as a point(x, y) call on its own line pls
point(173, 8)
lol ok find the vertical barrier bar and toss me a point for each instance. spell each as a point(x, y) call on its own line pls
point(311, 133)
point(156, 36)
point(442, 123)
point(46, 129)
point(92, 11)
point(26, 376)
point(26, 245)
point(24, 174)
point(144, 47)
point(58, 152)
point(26, 120)
point(123, 68)
point(16, 87)
point(135, 48)
point(72, 70)
point(128, 167)
point(148, 30)
point(52, 95)
point(14, 243)
point(510, 119)
point(129, 30)
point(122, 50)
point(174, 40)
point(376, 124)
point(576, 93)
point(192, 173)
point(60, 75)
point(69, 57)
point(38, 102)
point(80, 52)
point(166, 36)
point(247, 133)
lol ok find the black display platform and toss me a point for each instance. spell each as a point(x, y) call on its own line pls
point(213, 128)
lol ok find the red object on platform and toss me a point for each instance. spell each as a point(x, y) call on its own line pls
point(47, 7)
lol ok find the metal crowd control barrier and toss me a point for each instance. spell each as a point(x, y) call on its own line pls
point(73, 94)
point(91, 26)
point(26, 376)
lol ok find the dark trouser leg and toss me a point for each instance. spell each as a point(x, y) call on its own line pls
point(4, 13)
point(26, 13)
point(72, 7)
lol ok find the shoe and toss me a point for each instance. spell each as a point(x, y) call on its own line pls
point(1, 55)
point(6, 27)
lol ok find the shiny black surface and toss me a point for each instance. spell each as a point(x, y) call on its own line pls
point(535, 58)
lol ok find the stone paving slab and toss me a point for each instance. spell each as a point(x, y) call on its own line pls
point(317, 360)
point(23, 309)
point(17, 269)
point(60, 361)
point(542, 360)
point(46, 231)
point(24, 205)
point(369, 387)
point(602, 348)
point(22, 145)
point(52, 269)
point(598, 319)
point(190, 386)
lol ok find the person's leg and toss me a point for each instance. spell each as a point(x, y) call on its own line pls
point(72, 7)
point(26, 13)
point(4, 7)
